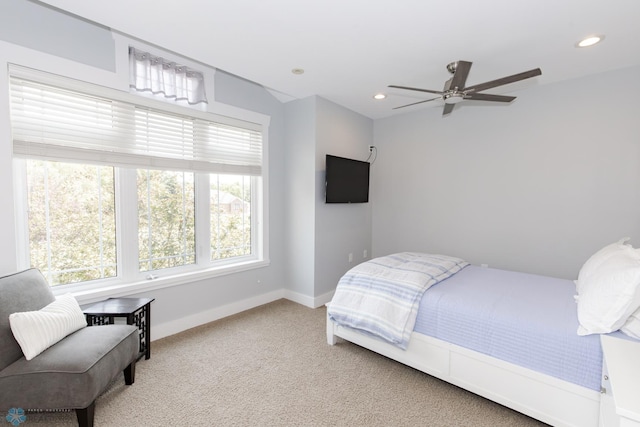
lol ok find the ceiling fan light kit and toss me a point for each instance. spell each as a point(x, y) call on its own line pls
point(455, 91)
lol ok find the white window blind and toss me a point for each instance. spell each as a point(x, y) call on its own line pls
point(56, 123)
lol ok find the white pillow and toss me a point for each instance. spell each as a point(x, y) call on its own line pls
point(36, 331)
point(598, 258)
point(608, 289)
point(632, 326)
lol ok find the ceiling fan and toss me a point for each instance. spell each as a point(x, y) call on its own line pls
point(455, 91)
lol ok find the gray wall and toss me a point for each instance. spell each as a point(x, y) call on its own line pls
point(300, 138)
point(341, 229)
point(535, 186)
point(36, 26)
point(322, 236)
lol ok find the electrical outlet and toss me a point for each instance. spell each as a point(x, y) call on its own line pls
point(351, 257)
point(364, 253)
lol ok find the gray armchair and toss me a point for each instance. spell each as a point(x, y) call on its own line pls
point(72, 373)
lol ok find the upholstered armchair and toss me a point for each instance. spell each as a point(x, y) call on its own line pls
point(72, 372)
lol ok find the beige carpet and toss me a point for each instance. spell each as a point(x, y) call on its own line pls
point(271, 366)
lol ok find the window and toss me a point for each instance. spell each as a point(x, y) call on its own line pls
point(166, 219)
point(122, 189)
point(230, 216)
point(71, 220)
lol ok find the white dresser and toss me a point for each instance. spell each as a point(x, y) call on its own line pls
point(623, 363)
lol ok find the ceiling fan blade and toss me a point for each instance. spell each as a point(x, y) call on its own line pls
point(489, 97)
point(437, 92)
point(416, 103)
point(503, 81)
point(448, 108)
point(460, 76)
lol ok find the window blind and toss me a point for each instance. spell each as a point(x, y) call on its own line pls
point(57, 123)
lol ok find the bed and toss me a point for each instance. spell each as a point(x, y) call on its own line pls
point(509, 337)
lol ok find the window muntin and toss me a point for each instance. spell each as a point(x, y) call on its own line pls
point(71, 221)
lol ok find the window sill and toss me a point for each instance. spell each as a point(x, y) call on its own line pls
point(104, 291)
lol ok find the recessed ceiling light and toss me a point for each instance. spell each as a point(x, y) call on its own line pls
point(379, 96)
point(590, 41)
point(297, 71)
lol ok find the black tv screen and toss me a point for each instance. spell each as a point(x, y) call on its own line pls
point(347, 180)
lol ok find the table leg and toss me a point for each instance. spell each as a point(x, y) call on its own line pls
point(147, 330)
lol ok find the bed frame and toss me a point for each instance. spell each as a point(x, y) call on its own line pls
point(540, 396)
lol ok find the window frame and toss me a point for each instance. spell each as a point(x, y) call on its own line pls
point(129, 279)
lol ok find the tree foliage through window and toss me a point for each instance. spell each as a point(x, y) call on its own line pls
point(72, 232)
point(72, 219)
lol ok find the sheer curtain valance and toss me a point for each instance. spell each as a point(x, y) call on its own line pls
point(150, 73)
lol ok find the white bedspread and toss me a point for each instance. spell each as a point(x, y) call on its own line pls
point(381, 296)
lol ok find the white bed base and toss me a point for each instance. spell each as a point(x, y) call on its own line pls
point(540, 396)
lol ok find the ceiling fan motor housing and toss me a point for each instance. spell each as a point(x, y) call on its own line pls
point(453, 97)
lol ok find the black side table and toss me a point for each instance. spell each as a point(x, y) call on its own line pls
point(136, 310)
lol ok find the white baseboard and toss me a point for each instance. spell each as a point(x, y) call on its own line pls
point(307, 301)
point(323, 299)
point(175, 326)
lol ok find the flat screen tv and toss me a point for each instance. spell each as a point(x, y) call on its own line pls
point(346, 180)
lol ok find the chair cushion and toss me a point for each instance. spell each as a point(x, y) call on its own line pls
point(24, 291)
point(72, 373)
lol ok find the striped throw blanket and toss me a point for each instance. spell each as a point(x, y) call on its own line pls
point(381, 296)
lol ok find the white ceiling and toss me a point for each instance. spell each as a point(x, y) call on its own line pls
point(352, 49)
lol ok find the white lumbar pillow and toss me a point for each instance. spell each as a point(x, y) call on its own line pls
point(608, 289)
point(36, 331)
